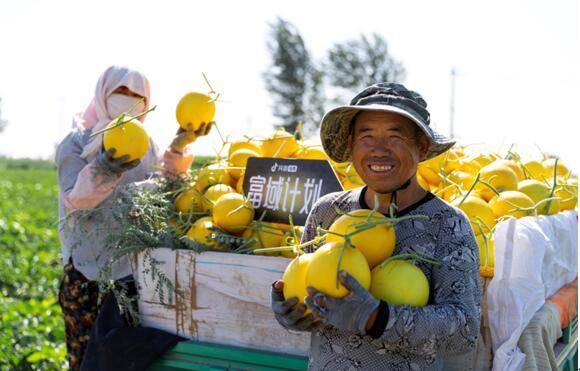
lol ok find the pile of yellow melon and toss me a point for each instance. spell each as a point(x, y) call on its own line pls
point(216, 190)
point(489, 187)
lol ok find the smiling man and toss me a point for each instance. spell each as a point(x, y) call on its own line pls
point(386, 132)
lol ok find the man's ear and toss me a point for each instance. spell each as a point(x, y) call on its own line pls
point(424, 144)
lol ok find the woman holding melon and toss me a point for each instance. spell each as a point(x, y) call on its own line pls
point(91, 164)
point(385, 132)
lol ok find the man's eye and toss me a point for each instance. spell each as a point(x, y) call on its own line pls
point(398, 137)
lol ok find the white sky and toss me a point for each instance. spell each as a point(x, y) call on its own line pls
point(517, 61)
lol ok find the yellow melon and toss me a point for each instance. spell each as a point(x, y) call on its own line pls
point(567, 192)
point(512, 203)
point(295, 278)
point(211, 175)
point(376, 243)
point(514, 166)
point(486, 251)
point(195, 109)
point(561, 169)
point(213, 193)
point(232, 213)
point(247, 144)
point(499, 176)
point(201, 232)
point(189, 200)
point(478, 211)
point(534, 169)
point(324, 265)
point(129, 139)
point(428, 173)
point(422, 182)
point(470, 166)
point(399, 283)
point(238, 159)
point(264, 235)
point(281, 144)
point(311, 153)
point(539, 191)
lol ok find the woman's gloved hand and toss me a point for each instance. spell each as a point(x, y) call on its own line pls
point(107, 165)
point(289, 313)
point(184, 137)
point(350, 313)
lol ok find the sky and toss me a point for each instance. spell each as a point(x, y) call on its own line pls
point(517, 63)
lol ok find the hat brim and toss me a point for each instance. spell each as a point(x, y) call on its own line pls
point(335, 130)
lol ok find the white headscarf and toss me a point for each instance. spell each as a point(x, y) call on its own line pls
point(96, 116)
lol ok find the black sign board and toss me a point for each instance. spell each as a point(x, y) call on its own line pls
point(284, 187)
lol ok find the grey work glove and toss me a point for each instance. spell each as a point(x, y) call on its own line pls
point(184, 137)
point(107, 165)
point(350, 313)
point(289, 313)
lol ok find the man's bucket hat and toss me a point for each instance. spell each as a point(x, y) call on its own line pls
point(382, 97)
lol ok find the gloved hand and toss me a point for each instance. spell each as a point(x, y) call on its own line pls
point(288, 313)
point(107, 165)
point(184, 137)
point(350, 313)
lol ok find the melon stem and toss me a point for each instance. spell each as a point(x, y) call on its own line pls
point(123, 121)
point(471, 188)
point(485, 240)
point(211, 89)
point(485, 183)
point(482, 222)
point(279, 149)
point(410, 256)
point(287, 248)
point(553, 190)
point(544, 156)
point(338, 265)
point(509, 152)
point(220, 135)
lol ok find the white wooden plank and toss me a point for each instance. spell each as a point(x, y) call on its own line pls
point(226, 300)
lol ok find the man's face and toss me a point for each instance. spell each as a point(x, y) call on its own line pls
point(386, 149)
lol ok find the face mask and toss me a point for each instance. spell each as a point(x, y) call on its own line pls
point(120, 103)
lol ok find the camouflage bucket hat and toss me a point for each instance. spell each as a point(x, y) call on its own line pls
point(386, 97)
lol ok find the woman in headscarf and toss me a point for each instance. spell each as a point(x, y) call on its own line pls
point(87, 177)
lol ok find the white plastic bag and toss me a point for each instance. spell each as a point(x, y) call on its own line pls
point(535, 256)
point(561, 258)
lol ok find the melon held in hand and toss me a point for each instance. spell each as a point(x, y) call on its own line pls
point(129, 139)
point(195, 109)
point(295, 277)
point(322, 272)
point(372, 234)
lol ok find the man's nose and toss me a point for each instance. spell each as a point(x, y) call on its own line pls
point(380, 147)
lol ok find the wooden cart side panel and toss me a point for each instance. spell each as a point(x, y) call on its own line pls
point(225, 300)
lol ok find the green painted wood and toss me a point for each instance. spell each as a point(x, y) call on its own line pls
point(568, 357)
point(571, 329)
point(190, 355)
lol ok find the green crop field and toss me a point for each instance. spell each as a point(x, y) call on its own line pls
point(31, 327)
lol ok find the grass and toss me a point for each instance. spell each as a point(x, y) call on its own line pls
point(31, 325)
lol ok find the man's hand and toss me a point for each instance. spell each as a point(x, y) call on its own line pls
point(351, 313)
point(107, 165)
point(289, 313)
point(184, 137)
